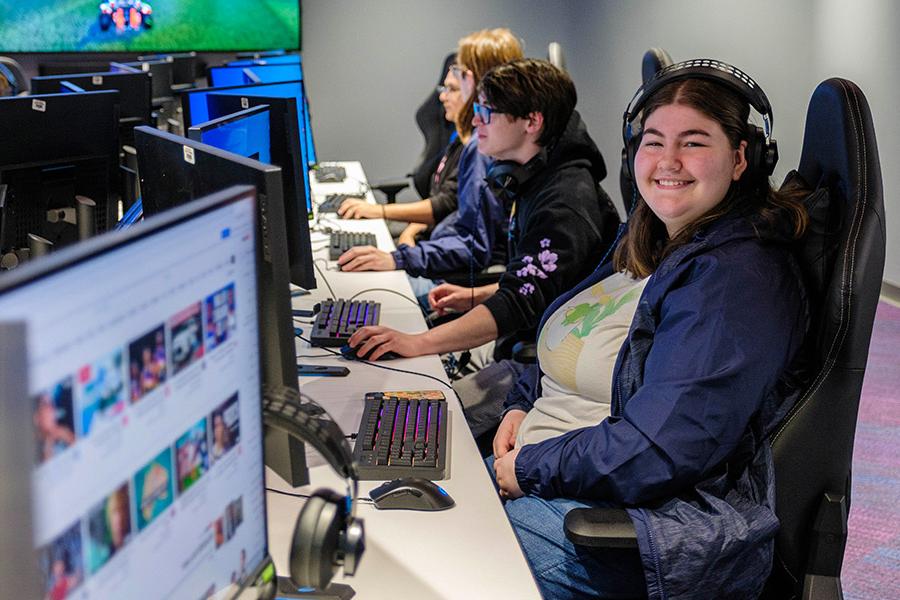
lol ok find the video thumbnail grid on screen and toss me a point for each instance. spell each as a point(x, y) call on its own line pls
point(101, 399)
point(152, 26)
point(144, 396)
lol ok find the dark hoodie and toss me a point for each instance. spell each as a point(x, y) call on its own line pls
point(561, 226)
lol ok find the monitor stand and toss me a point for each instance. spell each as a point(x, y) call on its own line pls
point(286, 455)
point(335, 591)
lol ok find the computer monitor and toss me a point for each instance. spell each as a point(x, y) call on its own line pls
point(245, 132)
point(175, 170)
point(161, 72)
point(195, 110)
point(268, 73)
point(286, 153)
point(134, 91)
point(148, 26)
point(312, 159)
point(143, 396)
point(184, 67)
point(56, 147)
point(278, 59)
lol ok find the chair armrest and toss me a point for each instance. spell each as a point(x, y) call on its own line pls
point(464, 278)
point(600, 528)
point(524, 352)
point(391, 189)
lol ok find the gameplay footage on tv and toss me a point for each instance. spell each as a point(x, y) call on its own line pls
point(156, 25)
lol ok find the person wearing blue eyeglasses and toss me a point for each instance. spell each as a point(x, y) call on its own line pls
point(547, 169)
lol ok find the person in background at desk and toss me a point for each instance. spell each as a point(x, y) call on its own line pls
point(561, 227)
point(442, 200)
point(703, 375)
point(471, 237)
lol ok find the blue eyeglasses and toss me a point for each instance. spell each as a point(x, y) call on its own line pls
point(484, 112)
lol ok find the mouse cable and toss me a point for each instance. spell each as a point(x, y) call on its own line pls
point(375, 364)
point(363, 500)
point(325, 279)
point(395, 292)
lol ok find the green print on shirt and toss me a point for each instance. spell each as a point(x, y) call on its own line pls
point(590, 315)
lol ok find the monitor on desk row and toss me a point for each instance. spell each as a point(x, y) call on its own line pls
point(134, 90)
point(195, 108)
point(287, 153)
point(143, 398)
point(255, 73)
point(56, 147)
point(175, 171)
point(161, 72)
point(280, 59)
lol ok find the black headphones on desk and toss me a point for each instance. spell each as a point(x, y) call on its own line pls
point(327, 534)
point(762, 149)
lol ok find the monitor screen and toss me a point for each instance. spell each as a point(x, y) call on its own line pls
point(243, 74)
point(286, 153)
point(281, 59)
point(195, 106)
point(144, 397)
point(245, 132)
point(151, 26)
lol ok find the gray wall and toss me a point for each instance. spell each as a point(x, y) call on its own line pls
point(370, 64)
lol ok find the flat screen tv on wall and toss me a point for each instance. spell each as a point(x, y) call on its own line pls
point(55, 26)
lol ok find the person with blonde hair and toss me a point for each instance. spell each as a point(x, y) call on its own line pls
point(469, 235)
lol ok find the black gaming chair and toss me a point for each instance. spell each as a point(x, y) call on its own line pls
point(654, 59)
point(842, 256)
point(437, 131)
point(556, 56)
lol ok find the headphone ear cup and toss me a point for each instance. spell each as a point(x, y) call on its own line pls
point(314, 547)
point(759, 155)
point(628, 154)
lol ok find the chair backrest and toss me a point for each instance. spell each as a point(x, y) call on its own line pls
point(437, 131)
point(842, 257)
point(556, 56)
point(653, 60)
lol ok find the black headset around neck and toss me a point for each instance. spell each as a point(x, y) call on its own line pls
point(762, 149)
point(506, 178)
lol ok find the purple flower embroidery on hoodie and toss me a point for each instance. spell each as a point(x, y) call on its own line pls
point(546, 263)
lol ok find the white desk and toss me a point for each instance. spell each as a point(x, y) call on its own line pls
point(467, 552)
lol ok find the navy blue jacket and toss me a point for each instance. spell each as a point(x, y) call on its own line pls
point(466, 238)
point(696, 386)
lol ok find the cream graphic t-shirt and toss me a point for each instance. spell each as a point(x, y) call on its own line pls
point(577, 350)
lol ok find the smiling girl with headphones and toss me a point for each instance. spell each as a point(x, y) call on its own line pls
point(703, 373)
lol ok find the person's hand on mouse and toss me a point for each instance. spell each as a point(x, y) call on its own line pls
point(366, 258)
point(505, 470)
point(505, 438)
point(359, 209)
point(378, 340)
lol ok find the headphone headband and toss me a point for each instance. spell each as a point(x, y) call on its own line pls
point(762, 149)
point(711, 70)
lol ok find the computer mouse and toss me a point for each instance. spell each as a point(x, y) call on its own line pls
point(349, 352)
point(411, 493)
